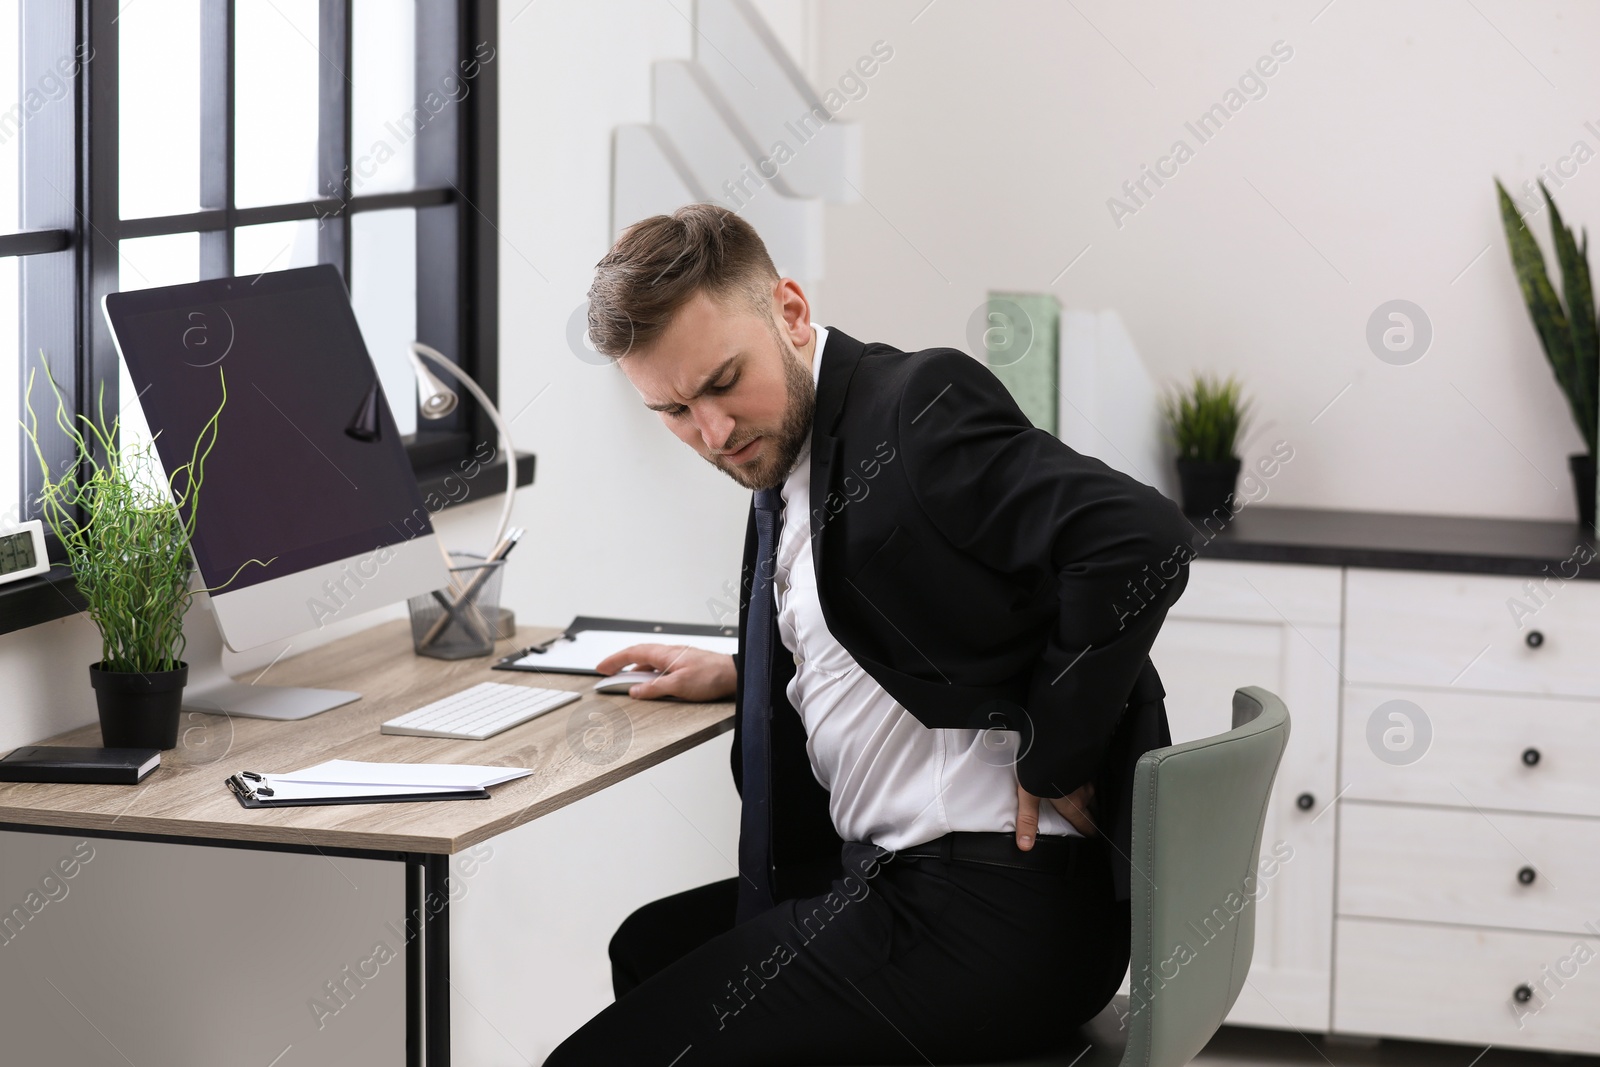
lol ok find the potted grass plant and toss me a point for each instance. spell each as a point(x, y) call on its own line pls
point(125, 530)
point(1566, 326)
point(1204, 420)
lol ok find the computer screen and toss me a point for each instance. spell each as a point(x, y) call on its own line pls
point(284, 481)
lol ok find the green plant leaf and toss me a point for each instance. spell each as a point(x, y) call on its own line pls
point(1578, 292)
point(125, 530)
point(1549, 320)
point(1205, 418)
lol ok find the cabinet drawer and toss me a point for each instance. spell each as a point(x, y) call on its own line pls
point(1472, 749)
point(1472, 631)
point(1457, 983)
point(1465, 866)
point(1241, 591)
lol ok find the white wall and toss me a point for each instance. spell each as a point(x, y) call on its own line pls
point(626, 521)
point(999, 130)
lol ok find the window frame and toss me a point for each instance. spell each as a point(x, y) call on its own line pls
point(70, 228)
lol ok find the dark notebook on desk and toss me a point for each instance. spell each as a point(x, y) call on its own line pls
point(57, 763)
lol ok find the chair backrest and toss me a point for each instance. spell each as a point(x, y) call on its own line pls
point(1198, 809)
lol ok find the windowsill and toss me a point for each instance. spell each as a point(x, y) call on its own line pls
point(446, 485)
point(55, 595)
point(52, 595)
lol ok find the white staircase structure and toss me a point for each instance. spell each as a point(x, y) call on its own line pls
point(738, 125)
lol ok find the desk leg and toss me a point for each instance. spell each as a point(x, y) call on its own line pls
point(427, 960)
point(413, 928)
point(436, 961)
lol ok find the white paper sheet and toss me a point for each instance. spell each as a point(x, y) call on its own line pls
point(589, 647)
point(287, 790)
point(409, 775)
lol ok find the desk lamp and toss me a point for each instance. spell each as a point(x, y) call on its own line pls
point(439, 400)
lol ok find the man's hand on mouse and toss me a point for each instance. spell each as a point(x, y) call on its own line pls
point(1074, 807)
point(686, 673)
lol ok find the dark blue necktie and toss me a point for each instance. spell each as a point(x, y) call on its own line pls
point(755, 725)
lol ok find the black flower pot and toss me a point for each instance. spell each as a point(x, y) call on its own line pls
point(138, 709)
point(1205, 485)
point(1582, 466)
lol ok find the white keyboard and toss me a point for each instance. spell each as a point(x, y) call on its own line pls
point(479, 712)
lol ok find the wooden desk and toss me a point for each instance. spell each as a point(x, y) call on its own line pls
point(572, 751)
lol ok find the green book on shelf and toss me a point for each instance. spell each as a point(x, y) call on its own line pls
point(1021, 344)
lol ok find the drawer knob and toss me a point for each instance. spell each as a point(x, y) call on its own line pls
point(1526, 876)
point(1530, 756)
point(1304, 801)
point(1523, 993)
point(1534, 638)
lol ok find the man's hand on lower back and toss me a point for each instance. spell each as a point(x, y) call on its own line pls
point(687, 673)
point(1074, 807)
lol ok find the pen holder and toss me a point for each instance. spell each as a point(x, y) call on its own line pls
point(460, 621)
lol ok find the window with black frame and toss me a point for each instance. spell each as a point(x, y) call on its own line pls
point(169, 142)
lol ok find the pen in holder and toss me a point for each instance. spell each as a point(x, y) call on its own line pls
point(459, 622)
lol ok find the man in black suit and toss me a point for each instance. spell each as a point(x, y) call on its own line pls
point(942, 686)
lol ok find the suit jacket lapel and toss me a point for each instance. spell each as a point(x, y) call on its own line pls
point(841, 356)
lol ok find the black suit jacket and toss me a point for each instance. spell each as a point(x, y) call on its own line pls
point(986, 575)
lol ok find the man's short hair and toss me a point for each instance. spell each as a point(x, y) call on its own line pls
point(660, 263)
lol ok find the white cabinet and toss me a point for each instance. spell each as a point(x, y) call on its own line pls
point(1439, 794)
point(1469, 812)
point(1276, 626)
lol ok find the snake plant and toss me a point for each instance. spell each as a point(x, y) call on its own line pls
point(1568, 333)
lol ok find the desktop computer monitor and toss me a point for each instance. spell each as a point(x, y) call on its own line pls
point(308, 471)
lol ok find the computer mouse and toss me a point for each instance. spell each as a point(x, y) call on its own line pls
point(622, 682)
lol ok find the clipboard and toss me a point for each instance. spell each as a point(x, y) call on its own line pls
point(588, 639)
point(252, 791)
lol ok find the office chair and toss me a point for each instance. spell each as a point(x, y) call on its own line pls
point(1198, 813)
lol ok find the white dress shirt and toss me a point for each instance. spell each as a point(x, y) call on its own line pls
point(891, 781)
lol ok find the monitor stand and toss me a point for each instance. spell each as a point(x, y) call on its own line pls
point(210, 689)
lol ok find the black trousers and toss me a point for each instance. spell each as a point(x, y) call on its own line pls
point(905, 960)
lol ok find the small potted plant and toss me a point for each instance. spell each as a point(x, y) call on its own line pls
point(1203, 423)
point(126, 533)
point(1570, 334)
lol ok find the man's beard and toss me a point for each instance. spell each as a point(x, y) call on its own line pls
point(783, 444)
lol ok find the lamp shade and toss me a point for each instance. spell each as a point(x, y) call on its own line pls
point(436, 399)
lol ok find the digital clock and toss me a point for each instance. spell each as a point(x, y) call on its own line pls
point(22, 553)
